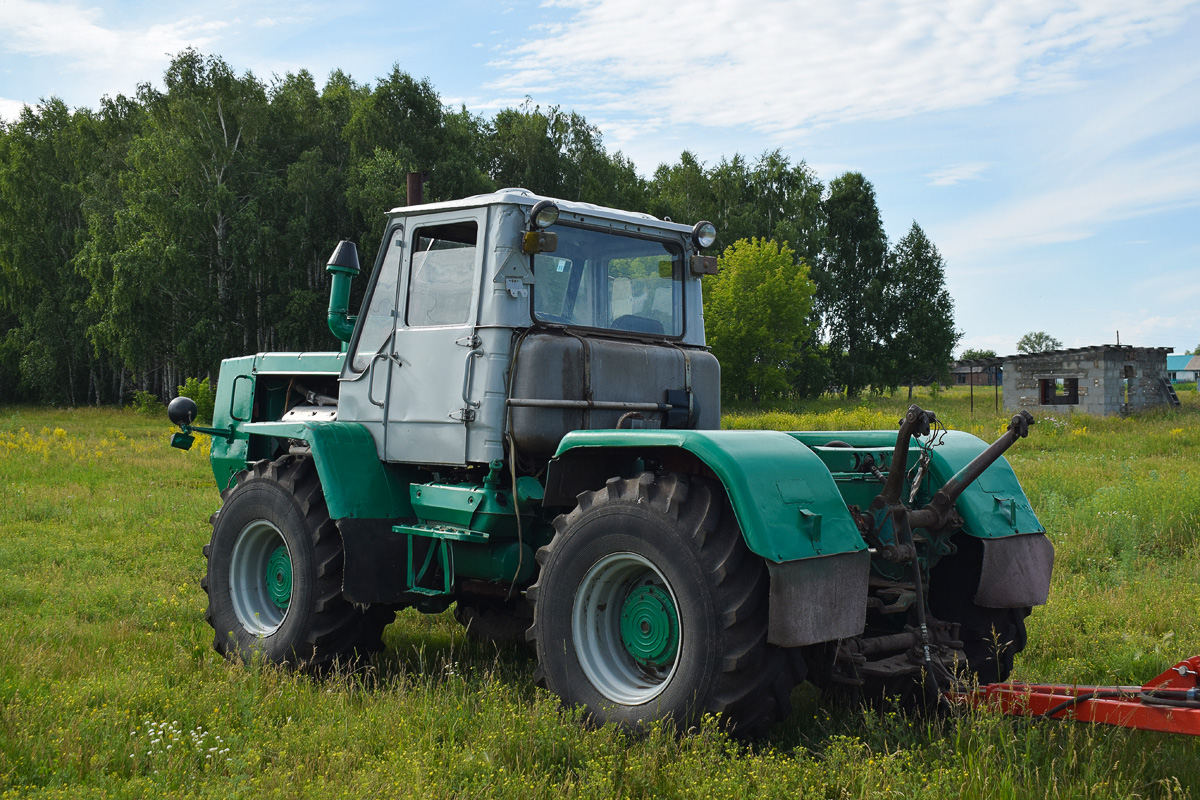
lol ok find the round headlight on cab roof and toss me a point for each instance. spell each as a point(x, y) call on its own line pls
point(545, 214)
point(704, 233)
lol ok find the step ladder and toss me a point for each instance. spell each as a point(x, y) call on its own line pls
point(1165, 383)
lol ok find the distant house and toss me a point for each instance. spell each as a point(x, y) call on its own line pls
point(1103, 380)
point(1183, 368)
point(978, 372)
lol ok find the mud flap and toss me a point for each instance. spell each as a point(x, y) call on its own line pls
point(375, 561)
point(1016, 571)
point(818, 599)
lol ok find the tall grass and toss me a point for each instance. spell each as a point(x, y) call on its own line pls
point(109, 686)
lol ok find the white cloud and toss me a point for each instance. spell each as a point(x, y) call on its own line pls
point(779, 66)
point(957, 173)
point(79, 35)
point(10, 109)
point(1136, 155)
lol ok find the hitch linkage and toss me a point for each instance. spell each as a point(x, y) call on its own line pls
point(939, 512)
point(937, 515)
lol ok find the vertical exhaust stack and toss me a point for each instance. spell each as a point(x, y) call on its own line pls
point(416, 188)
point(343, 266)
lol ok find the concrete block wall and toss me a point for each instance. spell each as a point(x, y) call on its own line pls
point(1101, 373)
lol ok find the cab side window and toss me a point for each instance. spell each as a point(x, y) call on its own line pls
point(379, 320)
point(442, 275)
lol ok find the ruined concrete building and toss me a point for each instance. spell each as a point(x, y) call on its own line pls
point(1103, 380)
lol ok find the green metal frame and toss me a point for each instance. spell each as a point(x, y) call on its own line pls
point(442, 536)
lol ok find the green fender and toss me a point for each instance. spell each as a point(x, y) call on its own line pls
point(356, 483)
point(235, 400)
point(783, 496)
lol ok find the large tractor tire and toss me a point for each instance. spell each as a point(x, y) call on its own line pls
point(991, 637)
point(274, 577)
point(649, 605)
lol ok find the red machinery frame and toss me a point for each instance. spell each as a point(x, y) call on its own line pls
point(1169, 703)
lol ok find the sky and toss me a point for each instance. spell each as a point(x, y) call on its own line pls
point(1050, 149)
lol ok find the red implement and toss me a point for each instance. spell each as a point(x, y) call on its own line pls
point(1169, 703)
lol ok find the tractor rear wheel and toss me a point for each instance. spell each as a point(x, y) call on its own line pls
point(274, 579)
point(649, 605)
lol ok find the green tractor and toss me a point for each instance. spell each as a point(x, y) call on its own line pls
point(523, 423)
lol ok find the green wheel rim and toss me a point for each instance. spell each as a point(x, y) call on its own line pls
point(650, 626)
point(626, 628)
point(279, 577)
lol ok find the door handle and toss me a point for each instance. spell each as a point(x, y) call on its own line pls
point(371, 382)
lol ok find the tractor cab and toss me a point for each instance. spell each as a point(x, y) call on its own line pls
point(596, 313)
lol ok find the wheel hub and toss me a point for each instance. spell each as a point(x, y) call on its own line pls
point(650, 626)
point(279, 577)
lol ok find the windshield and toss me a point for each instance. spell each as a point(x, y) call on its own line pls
point(605, 280)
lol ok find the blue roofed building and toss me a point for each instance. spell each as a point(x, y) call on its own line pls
point(1183, 368)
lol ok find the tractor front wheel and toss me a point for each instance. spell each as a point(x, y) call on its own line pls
point(650, 606)
point(274, 577)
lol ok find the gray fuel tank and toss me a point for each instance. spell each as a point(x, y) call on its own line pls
point(558, 366)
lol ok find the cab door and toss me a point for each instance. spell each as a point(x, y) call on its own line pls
point(434, 345)
point(363, 392)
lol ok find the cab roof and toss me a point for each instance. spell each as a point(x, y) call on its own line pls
point(524, 197)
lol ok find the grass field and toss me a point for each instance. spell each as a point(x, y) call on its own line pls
point(109, 686)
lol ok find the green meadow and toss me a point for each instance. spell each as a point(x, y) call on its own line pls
point(109, 686)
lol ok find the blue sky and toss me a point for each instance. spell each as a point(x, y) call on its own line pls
point(1050, 149)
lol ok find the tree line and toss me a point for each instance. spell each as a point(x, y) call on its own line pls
point(144, 241)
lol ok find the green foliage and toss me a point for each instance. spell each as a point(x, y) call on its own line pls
point(107, 649)
point(774, 199)
point(203, 395)
point(757, 320)
point(171, 229)
point(853, 283)
point(146, 403)
point(46, 158)
point(921, 344)
point(1038, 342)
point(971, 353)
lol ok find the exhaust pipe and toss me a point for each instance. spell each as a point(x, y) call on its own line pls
point(415, 194)
point(343, 266)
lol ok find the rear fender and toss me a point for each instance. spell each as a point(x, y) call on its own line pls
point(784, 498)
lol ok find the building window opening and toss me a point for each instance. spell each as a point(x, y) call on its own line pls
point(1060, 391)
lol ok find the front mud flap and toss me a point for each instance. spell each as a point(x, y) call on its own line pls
point(818, 599)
